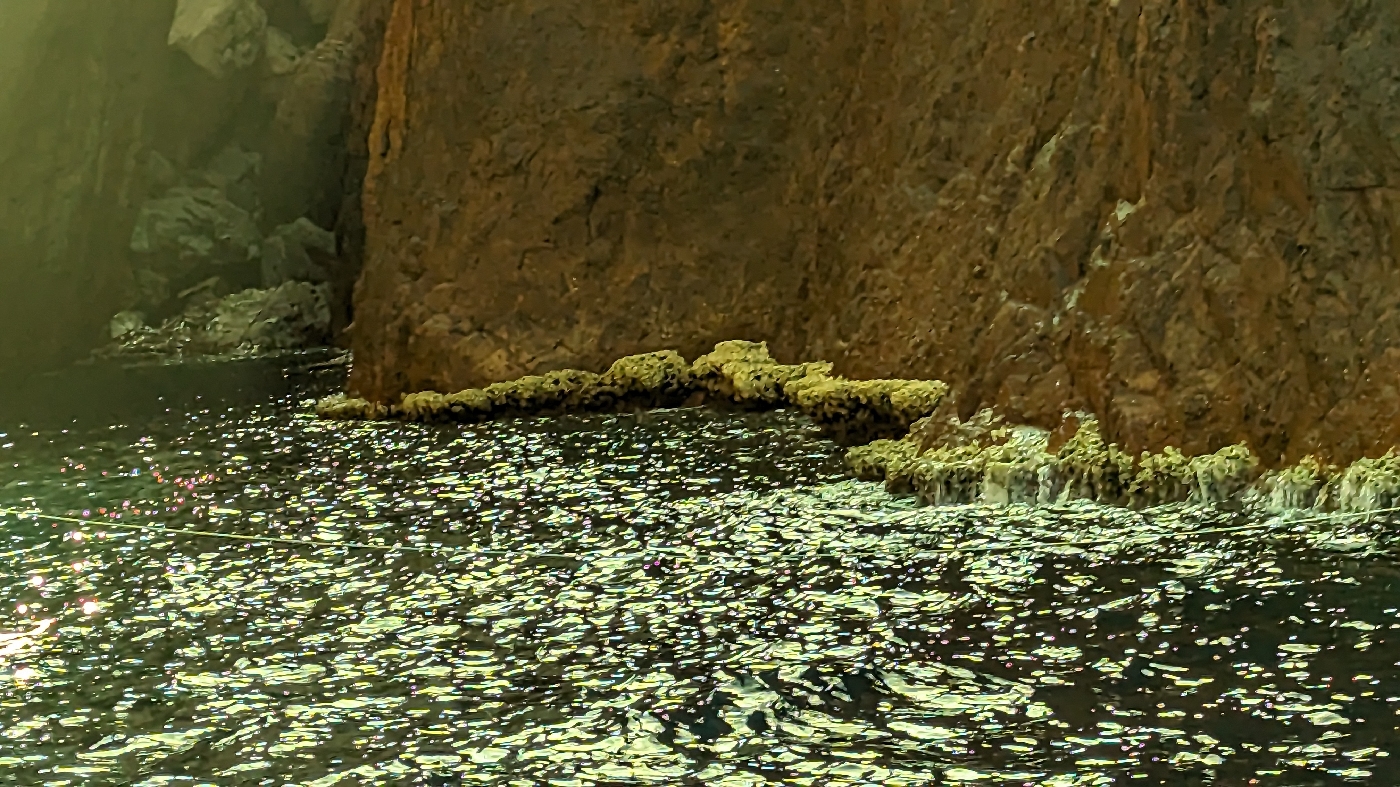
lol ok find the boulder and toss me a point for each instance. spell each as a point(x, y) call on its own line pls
point(235, 171)
point(292, 316)
point(193, 229)
point(297, 252)
point(220, 36)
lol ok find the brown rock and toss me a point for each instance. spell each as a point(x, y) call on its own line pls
point(1183, 218)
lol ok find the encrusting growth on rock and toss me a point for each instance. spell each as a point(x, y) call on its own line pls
point(986, 461)
point(946, 461)
point(940, 458)
point(737, 373)
point(1367, 485)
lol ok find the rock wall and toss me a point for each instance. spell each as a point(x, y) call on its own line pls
point(1182, 216)
point(149, 152)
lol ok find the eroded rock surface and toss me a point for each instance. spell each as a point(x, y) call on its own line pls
point(134, 138)
point(292, 316)
point(1181, 217)
point(220, 36)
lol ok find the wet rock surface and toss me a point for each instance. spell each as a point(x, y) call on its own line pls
point(946, 461)
point(1182, 219)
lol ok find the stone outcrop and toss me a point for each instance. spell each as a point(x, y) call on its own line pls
point(1184, 218)
point(145, 147)
point(292, 316)
point(220, 36)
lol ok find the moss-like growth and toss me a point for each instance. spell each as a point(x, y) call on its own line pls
point(877, 461)
point(942, 459)
point(1172, 477)
point(343, 408)
point(652, 380)
point(1223, 475)
point(737, 373)
point(744, 373)
point(1162, 478)
point(947, 461)
point(1308, 484)
point(1370, 484)
point(558, 391)
point(1087, 467)
point(1002, 465)
point(870, 407)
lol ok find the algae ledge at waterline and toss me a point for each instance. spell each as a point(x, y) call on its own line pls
point(913, 439)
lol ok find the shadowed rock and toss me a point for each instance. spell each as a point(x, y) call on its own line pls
point(220, 36)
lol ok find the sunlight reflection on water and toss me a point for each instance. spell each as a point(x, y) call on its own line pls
point(717, 606)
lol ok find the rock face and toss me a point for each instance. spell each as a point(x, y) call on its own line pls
point(293, 316)
point(1184, 218)
point(146, 147)
point(191, 232)
point(221, 36)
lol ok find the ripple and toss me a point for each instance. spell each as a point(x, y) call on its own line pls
point(684, 596)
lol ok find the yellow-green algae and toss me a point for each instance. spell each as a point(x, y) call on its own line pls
point(1366, 485)
point(984, 460)
point(941, 459)
point(737, 373)
point(945, 461)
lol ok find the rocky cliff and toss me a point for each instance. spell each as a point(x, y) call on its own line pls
point(1181, 216)
point(155, 155)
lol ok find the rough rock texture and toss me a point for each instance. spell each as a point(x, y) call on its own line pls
point(1182, 217)
point(736, 374)
point(293, 316)
point(220, 36)
point(189, 233)
point(100, 116)
point(297, 252)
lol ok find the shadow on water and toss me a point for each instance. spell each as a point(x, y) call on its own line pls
point(109, 391)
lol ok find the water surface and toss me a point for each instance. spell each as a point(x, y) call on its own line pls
point(684, 597)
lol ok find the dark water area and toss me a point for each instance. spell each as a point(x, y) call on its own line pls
point(113, 391)
point(683, 597)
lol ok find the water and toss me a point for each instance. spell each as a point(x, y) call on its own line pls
point(679, 598)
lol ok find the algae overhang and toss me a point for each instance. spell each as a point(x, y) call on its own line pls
point(909, 436)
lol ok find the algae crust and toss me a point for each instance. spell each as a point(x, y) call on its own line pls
point(946, 461)
point(907, 435)
point(737, 373)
